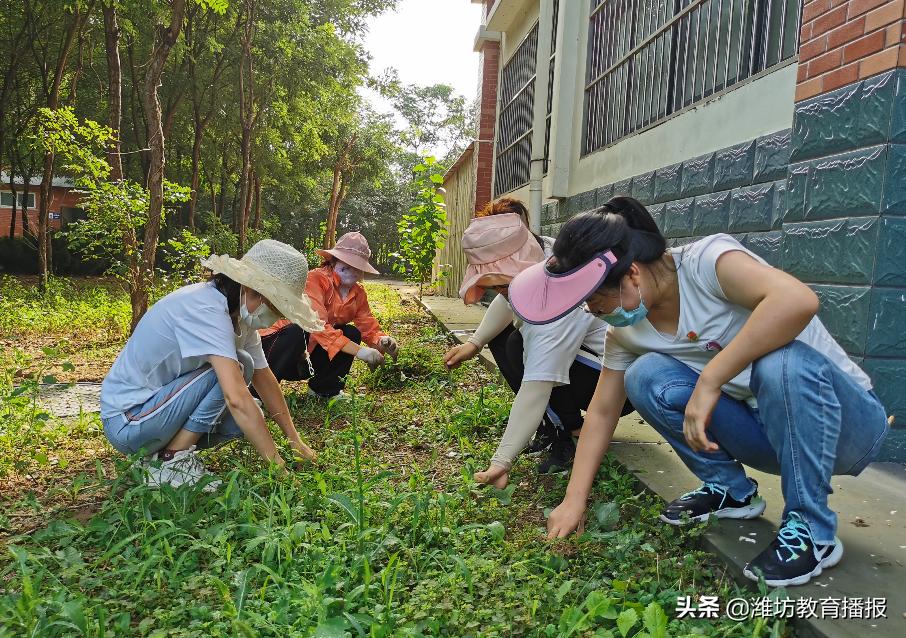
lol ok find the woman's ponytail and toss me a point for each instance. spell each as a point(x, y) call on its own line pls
point(623, 225)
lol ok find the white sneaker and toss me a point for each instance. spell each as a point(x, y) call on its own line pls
point(185, 468)
point(340, 396)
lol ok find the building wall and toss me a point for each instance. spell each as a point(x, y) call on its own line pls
point(460, 185)
point(803, 165)
point(60, 198)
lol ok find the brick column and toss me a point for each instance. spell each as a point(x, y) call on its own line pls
point(489, 68)
point(844, 228)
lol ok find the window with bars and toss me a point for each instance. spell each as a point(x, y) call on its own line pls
point(517, 103)
point(648, 59)
point(514, 122)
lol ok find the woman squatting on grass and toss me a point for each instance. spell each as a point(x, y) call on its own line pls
point(552, 368)
point(181, 381)
point(724, 356)
point(337, 295)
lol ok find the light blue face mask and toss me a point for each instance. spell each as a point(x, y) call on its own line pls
point(622, 318)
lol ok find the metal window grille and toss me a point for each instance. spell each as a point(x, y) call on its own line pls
point(550, 84)
point(648, 59)
point(514, 125)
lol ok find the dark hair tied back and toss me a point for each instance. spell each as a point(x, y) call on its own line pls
point(623, 225)
point(229, 289)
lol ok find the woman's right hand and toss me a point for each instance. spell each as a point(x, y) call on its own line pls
point(455, 356)
point(567, 517)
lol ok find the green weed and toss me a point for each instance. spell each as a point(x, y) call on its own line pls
point(387, 535)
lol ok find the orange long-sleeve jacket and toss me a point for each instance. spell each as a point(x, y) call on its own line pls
point(323, 290)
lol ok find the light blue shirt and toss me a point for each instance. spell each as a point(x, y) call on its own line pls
point(175, 337)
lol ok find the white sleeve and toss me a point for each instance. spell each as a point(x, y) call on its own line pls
point(252, 345)
point(616, 357)
point(209, 333)
point(498, 316)
point(704, 264)
point(525, 417)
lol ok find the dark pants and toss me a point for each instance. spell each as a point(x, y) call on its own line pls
point(285, 352)
point(567, 401)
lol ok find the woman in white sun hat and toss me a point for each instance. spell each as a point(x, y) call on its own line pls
point(181, 381)
point(336, 294)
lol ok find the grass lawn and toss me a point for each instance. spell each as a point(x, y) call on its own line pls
point(387, 535)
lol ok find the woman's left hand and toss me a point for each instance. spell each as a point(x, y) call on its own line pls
point(698, 416)
point(388, 345)
point(302, 450)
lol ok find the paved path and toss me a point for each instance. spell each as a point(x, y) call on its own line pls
point(68, 400)
point(871, 510)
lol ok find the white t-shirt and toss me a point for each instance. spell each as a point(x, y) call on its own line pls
point(551, 349)
point(708, 321)
point(175, 337)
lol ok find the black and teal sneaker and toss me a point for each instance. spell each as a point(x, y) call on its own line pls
point(793, 558)
point(711, 500)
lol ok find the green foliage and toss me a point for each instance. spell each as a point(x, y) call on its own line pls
point(387, 535)
point(80, 142)
point(423, 230)
point(117, 211)
point(220, 237)
point(183, 257)
point(29, 434)
point(95, 311)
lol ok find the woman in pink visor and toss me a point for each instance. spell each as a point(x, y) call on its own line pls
point(724, 356)
point(553, 369)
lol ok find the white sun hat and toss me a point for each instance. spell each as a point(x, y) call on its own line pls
point(278, 272)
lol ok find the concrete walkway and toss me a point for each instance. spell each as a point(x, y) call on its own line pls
point(871, 509)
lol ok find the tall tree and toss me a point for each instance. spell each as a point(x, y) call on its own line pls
point(166, 34)
point(47, 56)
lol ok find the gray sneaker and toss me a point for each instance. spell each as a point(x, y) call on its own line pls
point(185, 468)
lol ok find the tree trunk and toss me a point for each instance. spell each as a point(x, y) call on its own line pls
point(53, 101)
point(12, 189)
point(257, 223)
point(196, 171)
point(114, 89)
point(246, 114)
point(330, 230)
point(165, 39)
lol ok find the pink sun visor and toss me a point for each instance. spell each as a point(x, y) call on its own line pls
point(540, 296)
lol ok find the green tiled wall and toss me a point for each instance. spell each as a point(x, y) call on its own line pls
point(824, 200)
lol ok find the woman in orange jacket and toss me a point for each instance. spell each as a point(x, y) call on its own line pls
point(336, 294)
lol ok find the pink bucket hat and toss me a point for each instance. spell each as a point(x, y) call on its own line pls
point(352, 248)
point(496, 245)
point(540, 296)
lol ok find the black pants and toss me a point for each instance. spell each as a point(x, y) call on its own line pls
point(567, 401)
point(285, 352)
point(498, 347)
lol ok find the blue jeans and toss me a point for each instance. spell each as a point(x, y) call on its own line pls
point(193, 402)
point(813, 420)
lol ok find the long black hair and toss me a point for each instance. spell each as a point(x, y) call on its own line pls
point(623, 225)
point(229, 289)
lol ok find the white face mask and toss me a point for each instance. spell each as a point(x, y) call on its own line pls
point(347, 274)
point(263, 317)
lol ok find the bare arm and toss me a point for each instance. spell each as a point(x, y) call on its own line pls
point(781, 305)
point(600, 422)
point(268, 388)
point(241, 405)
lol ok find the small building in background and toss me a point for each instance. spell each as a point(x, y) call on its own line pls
point(64, 204)
point(781, 123)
